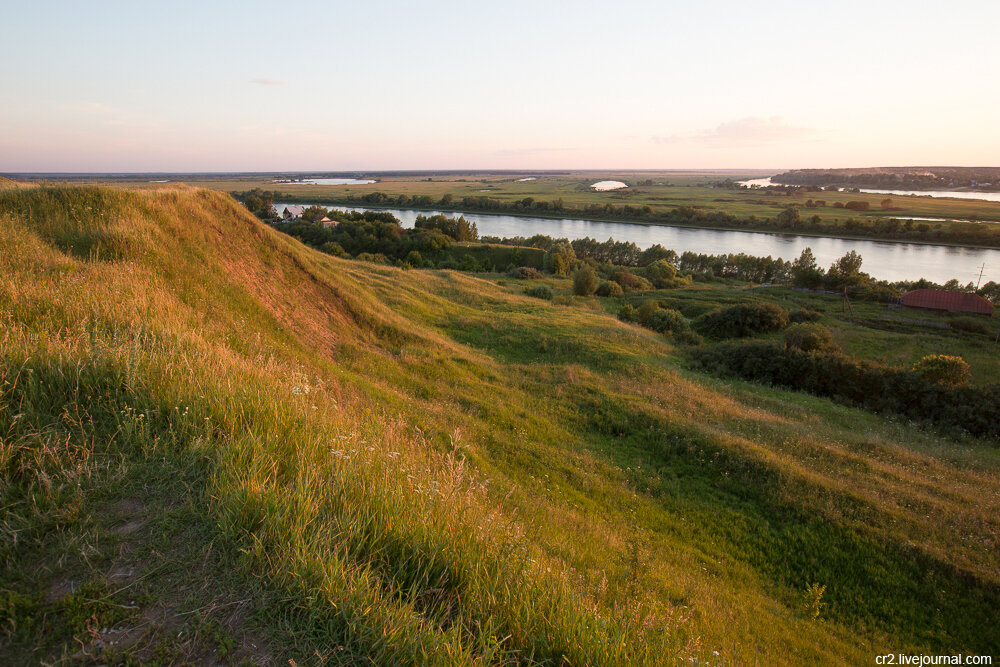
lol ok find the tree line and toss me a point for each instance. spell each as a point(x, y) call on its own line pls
point(790, 219)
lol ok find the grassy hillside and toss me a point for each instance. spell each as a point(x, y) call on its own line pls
point(218, 445)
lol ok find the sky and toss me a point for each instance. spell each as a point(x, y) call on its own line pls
point(105, 86)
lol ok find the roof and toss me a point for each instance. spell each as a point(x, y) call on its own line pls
point(294, 211)
point(954, 302)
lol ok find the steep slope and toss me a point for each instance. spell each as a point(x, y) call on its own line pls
point(219, 443)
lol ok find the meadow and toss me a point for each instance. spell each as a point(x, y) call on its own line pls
point(217, 444)
point(676, 198)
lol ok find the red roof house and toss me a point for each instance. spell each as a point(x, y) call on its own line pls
point(953, 302)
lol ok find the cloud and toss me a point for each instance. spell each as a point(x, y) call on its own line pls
point(750, 130)
point(267, 82)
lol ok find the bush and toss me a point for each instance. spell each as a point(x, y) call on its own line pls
point(333, 248)
point(627, 313)
point(629, 281)
point(943, 369)
point(608, 288)
point(804, 315)
point(809, 337)
point(377, 258)
point(540, 292)
point(666, 321)
point(661, 273)
point(584, 281)
point(744, 319)
point(525, 273)
point(648, 307)
point(870, 385)
point(970, 325)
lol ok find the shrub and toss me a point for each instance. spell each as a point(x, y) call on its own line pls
point(560, 259)
point(540, 292)
point(943, 369)
point(584, 281)
point(666, 321)
point(648, 307)
point(970, 325)
point(333, 248)
point(377, 258)
point(744, 319)
point(870, 385)
point(525, 273)
point(469, 263)
point(629, 281)
point(661, 273)
point(609, 288)
point(809, 337)
point(804, 315)
point(627, 313)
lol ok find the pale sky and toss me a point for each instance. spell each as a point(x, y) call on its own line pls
point(267, 86)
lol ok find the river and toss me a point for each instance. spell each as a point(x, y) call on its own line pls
point(954, 194)
point(882, 259)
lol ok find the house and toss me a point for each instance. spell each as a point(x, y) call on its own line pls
point(952, 302)
point(293, 213)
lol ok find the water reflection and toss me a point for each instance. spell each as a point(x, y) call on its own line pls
point(882, 259)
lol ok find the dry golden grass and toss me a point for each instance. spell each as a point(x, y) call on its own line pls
point(423, 466)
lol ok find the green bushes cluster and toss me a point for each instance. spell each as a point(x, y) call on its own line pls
point(970, 325)
point(943, 369)
point(627, 313)
point(865, 384)
point(525, 273)
point(743, 319)
point(585, 281)
point(540, 292)
point(609, 288)
point(804, 315)
point(666, 321)
point(809, 337)
point(630, 282)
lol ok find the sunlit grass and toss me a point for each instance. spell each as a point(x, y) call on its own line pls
point(426, 467)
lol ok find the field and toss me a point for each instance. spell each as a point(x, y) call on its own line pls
point(219, 445)
point(665, 191)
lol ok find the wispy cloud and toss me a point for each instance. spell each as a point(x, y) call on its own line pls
point(750, 130)
point(263, 81)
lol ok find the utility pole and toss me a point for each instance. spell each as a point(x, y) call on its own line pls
point(981, 269)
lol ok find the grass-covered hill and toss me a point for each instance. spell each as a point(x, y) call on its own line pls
point(217, 445)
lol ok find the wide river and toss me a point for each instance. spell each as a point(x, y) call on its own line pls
point(884, 260)
point(954, 194)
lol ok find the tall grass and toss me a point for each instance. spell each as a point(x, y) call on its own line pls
point(422, 467)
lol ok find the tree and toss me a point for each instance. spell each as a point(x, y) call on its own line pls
point(661, 273)
point(560, 259)
point(314, 213)
point(805, 272)
point(657, 252)
point(585, 281)
point(991, 291)
point(846, 271)
point(789, 217)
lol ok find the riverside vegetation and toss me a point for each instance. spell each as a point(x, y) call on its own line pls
point(218, 444)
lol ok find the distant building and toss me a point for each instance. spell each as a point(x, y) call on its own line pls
point(947, 300)
point(293, 212)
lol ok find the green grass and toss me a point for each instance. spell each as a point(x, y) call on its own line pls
point(216, 444)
